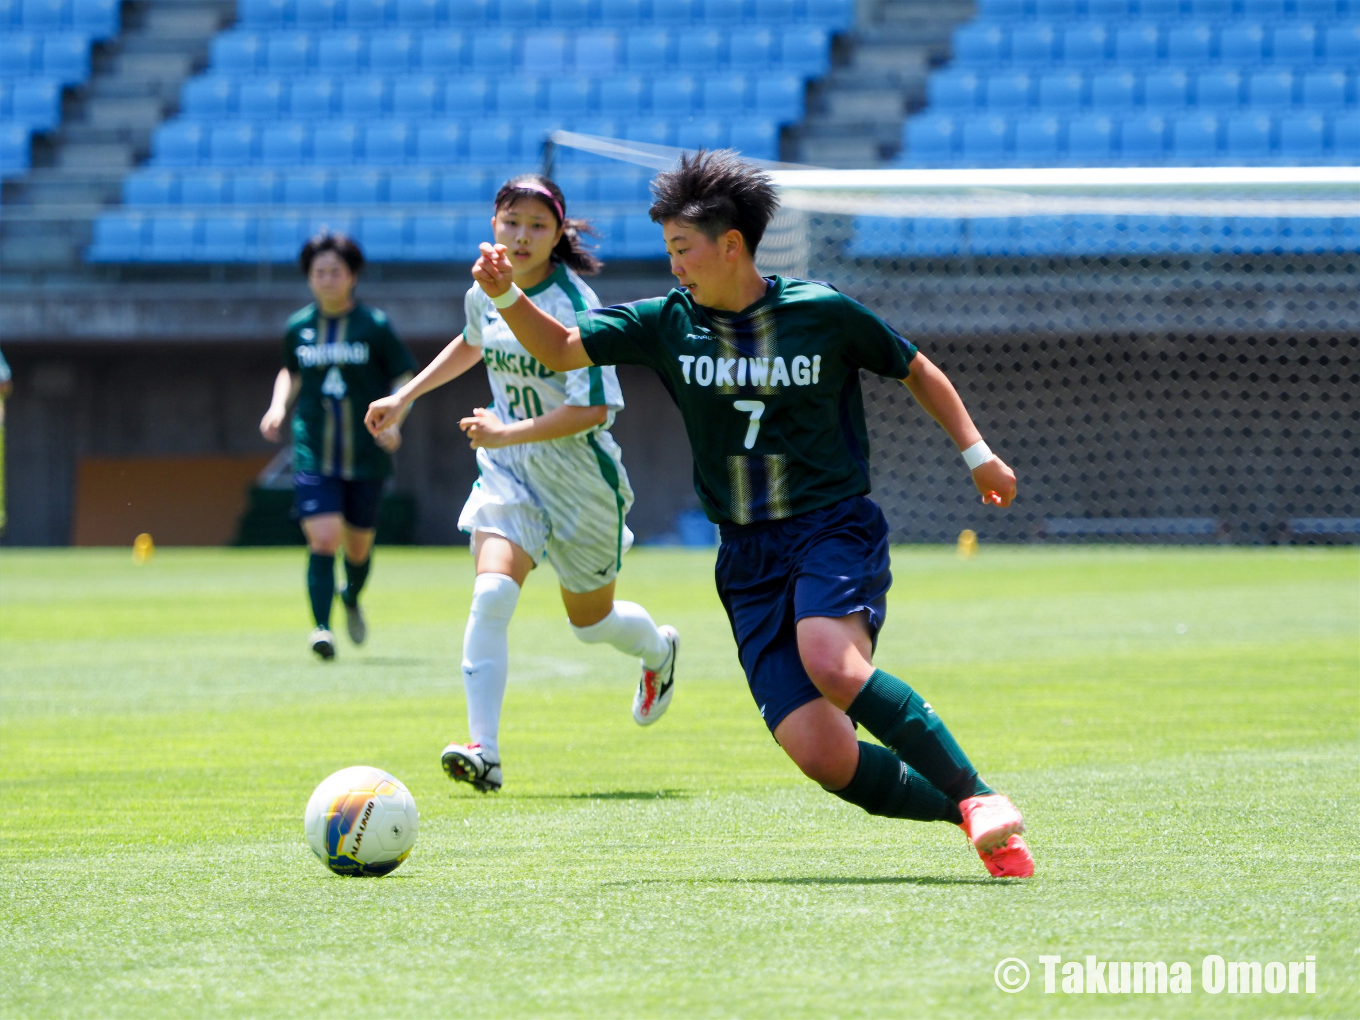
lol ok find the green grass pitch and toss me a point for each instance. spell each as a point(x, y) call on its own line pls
point(1179, 726)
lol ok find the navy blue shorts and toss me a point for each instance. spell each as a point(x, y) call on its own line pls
point(830, 562)
point(357, 499)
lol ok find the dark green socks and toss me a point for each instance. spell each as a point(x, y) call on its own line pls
point(897, 715)
point(884, 785)
point(355, 576)
point(321, 587)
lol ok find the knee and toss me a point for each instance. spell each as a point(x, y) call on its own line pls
point(494, 596)
point(831, 766)
point(832, 672)
point(324, 545)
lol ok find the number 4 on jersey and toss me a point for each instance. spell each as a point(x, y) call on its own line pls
point(333, 385)
point(755, 408)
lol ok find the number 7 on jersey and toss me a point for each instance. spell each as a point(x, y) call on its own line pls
point(755, 408)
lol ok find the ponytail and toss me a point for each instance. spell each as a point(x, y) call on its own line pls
point(572, 250)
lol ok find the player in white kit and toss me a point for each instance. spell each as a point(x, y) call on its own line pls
point(551, 479)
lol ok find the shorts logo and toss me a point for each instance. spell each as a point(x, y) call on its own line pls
point(310, 504)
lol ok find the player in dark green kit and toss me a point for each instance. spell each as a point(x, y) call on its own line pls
point(338, 356)
point(766, 376)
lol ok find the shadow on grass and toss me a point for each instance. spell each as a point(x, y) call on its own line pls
point(389, 660)
point(610, 795)
point(822, 880)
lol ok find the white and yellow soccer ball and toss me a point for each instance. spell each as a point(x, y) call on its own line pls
point(361, 821)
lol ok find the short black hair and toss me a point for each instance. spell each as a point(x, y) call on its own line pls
point(346, 247)
point(716, 191)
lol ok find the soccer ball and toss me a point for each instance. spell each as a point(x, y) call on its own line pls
point(361, 821)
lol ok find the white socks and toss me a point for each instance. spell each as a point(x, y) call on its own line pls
point(630, 629)
point(486, 657)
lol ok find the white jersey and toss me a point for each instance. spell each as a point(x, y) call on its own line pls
point(521, 387)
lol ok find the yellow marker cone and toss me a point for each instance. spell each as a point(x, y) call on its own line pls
point(967, 543)
point(142, 549)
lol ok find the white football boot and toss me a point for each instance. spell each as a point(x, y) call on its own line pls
point(468, 764)
point(654, 690)
point(323, 643)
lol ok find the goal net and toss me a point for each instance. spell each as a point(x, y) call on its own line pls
point(1166, 354)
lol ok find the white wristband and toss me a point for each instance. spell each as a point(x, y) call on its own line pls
point(977, 455)
point(508, 298)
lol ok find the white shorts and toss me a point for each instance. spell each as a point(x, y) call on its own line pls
point(564, 499)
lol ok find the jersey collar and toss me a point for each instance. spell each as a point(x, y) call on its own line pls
point(774, 285)
point(556, 276)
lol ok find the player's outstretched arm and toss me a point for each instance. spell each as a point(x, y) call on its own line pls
point(448, 364)
point(936, 394)
point(286, 386)
point(552, 343)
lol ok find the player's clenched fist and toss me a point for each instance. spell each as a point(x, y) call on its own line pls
point(493, 270)
point(383, 413)
point(995, 481)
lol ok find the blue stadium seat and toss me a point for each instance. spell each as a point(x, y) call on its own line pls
point(1113, 91)
point(976, 44)
point(1160, 10)
point(779, 96)
point(1194, 138)
point(673, 95)
point(1211, 10)
point(471, 14)
point(675, 13)
point(517, 96)
point(262, 13)
point(953, 90)
point(983, 139)
point(66, 58)
point(227, 238)
point(1033, 45)
point(1166, 89)
point(751, 49)
point(1142, 139)
point(363, 97)
point(1036, 139)
point(582, 184)
point(493, 51)
point(1056, 11)
point(518, 14)
point(834, 14)
point(178, 143)
point(568, 13)
point(936, 235)
point(1255, 234)
point(315, 14)
point(412, 187)
point(36, 102)
point(282, 144)
point(1218, 90)
point(1268, 90)
point(415, 98)
point(1011, 91)
point(1316, 10)
point(1341, 44)
point(1189, 44)
point(207, 187)
point(991, 235)
point(1301, 136)
point(1248, 136)
point(597, 53)
point(367, 14)
point(1000, 10)
point(361, 188)
point(441, 52)
point(804, 50)
point(1324, 88)
point(1060, 90)
point(1346, 135)
point(1306, 234)
point(647, 50)
point(641, 237)
point(621, 12)
point(253, 187)
point(1242, 44)
point(622, 95)
point(418, 13)
point(440, 142)
point(99, 19)
point(440, 237)
point(172, 237)
point(340, 53)
point(151, 187)
point(391, 52)
point(649, 131)
point(259, 98)
point(878, 236)
point(312, 98)
point(719, 12)
point(231, 143)
point(723, 95)
point(1135, 44)
point(492, 142)
point(1108, 10)
point(19, 54)
point(235, 52)
point(118, 237)
point(1090, 139)
point(280, 238)
point(1041, 235)
point(383, 237)
point(1264, 10)
point(774, 12)
point(756, 137)
point(43, 16)
point(1083, 45)
point(387, 142)
point(929, 138)
point(307, 187)
point(1295, 44)
point(547, 53)
point(467, 96)
point(287, 53)
point(208, 97)
point(700, 133)
point(466, 184)
point(335, 143)
point(699, 49)
point(570, 97)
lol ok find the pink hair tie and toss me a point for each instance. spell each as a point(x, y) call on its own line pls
point(530, 186)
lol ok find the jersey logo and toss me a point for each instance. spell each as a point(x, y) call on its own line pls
point(307, 334)
point(706, 371)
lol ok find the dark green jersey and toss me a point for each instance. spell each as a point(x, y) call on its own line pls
point(345, 363)
point(770, 396)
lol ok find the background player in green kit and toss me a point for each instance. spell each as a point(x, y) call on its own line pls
point(766, 375)
point(338, 356)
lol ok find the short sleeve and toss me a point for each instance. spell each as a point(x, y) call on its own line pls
point(594, 386)
point(472, 317)
point(622, 334)
point(870, 343)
